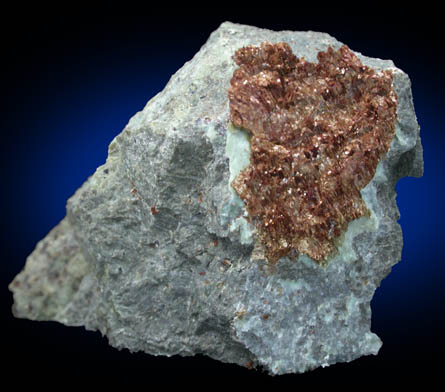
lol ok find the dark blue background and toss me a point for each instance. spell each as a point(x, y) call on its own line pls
point(70, 86)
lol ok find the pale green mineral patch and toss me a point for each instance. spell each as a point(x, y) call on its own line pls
point(238, 152)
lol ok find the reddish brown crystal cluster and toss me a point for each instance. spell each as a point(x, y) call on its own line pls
point(317, 134)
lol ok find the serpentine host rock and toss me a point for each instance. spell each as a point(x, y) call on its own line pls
point(161, 254)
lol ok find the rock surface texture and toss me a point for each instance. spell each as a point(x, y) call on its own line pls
point(159, 253)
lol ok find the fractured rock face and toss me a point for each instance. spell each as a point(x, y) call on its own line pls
point(162, 254)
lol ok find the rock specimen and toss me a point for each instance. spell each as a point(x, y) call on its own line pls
point(246, 213)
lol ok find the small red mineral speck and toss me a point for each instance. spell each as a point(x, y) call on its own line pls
point(154, 211)
point(202, 273)
point(317, 132)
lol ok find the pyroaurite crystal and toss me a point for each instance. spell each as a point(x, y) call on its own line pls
point(317, 134)
point(161, 254)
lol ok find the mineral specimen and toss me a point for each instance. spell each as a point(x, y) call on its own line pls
point(318, 132)
point(247, 212)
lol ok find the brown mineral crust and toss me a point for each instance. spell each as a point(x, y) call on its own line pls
point(317, 132)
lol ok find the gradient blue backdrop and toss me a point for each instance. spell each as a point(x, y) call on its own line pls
point(72, 86)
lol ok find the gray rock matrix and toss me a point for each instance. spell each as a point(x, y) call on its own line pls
point(155, 253)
